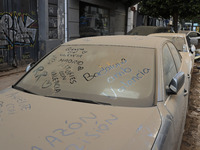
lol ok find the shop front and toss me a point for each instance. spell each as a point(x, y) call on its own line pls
point(96, 18)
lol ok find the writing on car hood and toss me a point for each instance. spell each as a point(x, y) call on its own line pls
point(26, 123)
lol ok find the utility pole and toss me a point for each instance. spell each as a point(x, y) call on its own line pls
point(14, 61)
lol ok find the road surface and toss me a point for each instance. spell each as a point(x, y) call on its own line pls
point(9, 80)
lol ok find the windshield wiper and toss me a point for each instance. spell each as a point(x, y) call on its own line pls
point(22, 89)
point(80, 100)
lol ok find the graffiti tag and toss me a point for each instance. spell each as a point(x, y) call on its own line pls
point(16, 30)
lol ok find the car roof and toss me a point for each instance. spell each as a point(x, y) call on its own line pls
point(187, 32)
point(184, 31)
point(168, 34)
point(120, 40)
point(146, 30)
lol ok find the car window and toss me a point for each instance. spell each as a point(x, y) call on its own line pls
point(169, 67)
point(176, 56)
point(117, 75)
point(193, 34)
point(177, 41)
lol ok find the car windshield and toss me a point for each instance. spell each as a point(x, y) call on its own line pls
point(118, 75)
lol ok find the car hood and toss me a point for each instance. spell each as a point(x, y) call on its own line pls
point(40, 123)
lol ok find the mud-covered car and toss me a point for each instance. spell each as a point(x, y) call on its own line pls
point(146, 30)
point(109, 92)
point(183, 44)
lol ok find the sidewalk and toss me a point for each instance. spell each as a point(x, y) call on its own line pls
point(8, 70)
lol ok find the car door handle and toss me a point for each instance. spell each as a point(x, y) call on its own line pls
point(185, 92)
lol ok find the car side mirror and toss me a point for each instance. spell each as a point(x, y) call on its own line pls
point(184, 48)
point(176, 83)
point(29, 66)
point(193, 48)
point(194, 41)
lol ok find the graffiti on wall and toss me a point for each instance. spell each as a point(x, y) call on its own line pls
point(17, 29)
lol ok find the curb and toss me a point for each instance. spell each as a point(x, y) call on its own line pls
point(12, 71)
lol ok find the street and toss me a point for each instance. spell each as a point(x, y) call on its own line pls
point(6, 81)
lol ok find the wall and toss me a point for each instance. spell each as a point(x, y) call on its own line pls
point(73, 19)
point(18, 31)
point(120, 19)
point(51, 20)
point(130, 20)
point(23, 33)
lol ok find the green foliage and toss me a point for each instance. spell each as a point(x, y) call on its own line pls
point(167, 8)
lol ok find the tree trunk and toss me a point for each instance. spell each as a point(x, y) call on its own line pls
point(192, 25)
point(175, 21)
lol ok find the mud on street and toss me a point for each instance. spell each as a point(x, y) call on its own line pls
point(191, 136)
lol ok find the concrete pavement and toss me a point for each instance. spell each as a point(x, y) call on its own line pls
point(8, 71)
point(9, 75)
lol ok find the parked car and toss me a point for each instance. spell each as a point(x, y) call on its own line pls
point(146, 30)
point(194, 37)
point(191, 34)
point(194, 34)
point(108, 92)
point(182, 43)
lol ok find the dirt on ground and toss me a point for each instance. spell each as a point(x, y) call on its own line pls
point(191, 136)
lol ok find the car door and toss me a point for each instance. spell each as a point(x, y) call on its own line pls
point(184, 59)
point(175, 104)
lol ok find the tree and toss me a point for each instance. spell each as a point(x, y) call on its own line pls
point(166, 8)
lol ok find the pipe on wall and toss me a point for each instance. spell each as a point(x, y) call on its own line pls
point(66, 22)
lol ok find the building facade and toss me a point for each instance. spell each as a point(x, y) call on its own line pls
point(29, 29)
point(96, 17)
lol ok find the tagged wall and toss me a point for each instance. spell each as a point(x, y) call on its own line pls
point(17, 29)
point(18, 32)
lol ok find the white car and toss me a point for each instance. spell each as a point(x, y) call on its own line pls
point(194, 38)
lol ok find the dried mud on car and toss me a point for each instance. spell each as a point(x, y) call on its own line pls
point(191, 136)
